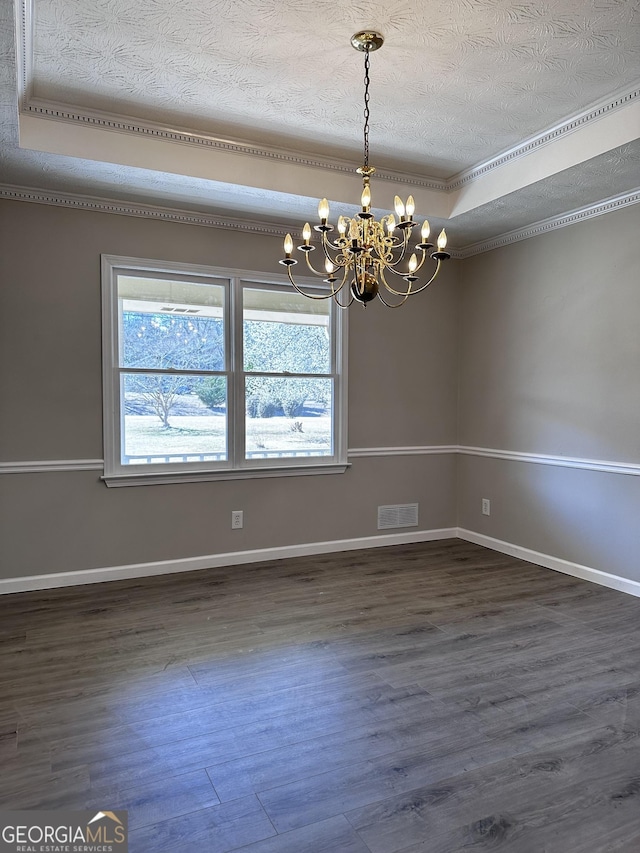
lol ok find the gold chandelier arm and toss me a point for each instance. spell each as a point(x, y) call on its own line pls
point(344, 307)
point(341, 285)
point(395, 292)
point(389, 305)
point(410, 291)
point(333, 292)
point(424, 286)
point(315, 272)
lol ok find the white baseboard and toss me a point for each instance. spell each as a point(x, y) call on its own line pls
point(549, 562)
point(260, 555)
point(211, 561)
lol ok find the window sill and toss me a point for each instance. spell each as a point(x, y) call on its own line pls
point(164, 478)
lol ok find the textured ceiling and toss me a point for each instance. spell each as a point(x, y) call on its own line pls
point(610, 174)
point(457, 83)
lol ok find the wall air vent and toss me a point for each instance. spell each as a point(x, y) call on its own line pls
point(397, 515)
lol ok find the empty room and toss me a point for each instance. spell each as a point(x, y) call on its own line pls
point(319, 426)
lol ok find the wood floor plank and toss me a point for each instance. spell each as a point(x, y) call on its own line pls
point(149, 802)
point(218, 829)
point(293, 715)
point(446, 697)
point(334, 835)
point(318, 797)
point(540, 801)
point(418, 722)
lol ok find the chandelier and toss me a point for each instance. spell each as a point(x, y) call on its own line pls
point(369, 255)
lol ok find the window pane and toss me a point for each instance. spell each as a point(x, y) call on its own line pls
point(171, 324)
point(285, 332)
point(168, 419)
point(288, 417)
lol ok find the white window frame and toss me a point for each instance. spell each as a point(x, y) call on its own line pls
point(236, 466)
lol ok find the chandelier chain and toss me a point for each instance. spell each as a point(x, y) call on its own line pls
point(366, 107)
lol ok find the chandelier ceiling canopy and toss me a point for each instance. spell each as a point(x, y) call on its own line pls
point(369, 258)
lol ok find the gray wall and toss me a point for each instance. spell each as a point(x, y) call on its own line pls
point(550, 364)
point(546, 334)
point(402, 391)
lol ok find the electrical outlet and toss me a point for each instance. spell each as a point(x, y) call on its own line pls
point(486, 506)
point(237, 519)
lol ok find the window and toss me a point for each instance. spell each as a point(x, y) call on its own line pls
point(212, 374)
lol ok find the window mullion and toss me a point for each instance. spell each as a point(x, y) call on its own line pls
point(237, 428)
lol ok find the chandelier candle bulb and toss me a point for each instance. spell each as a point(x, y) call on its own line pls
point(288, 261)
point(323, 211)
point(366, 259)
point(330, 269)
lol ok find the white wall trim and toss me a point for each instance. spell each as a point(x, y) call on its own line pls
point(147, 211)
point(209, 220)
point(235, 558)
point(123, 124)
point(212, 561)
point(558, 461)
point(553, 223)
point(419, 450)
point(43, 466)
point(555, 563)
point(186, 136)
point(592, 113)
point(607, 467)
point(191, 136)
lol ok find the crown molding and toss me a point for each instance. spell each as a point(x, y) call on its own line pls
point(187, 217)
point(149, 211)
point(40, 108)
point(127, 124)
point(593, 113)
point(24, 43)
point(66, 113)
point(553, 223)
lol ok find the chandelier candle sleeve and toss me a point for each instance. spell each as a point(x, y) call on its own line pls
point(369, 258)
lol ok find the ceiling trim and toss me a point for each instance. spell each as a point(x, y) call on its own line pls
point(553, 223)
point(593, 113)
point(148, 211)
point(187, 217)
point(24, 44)
point(125, 124)
point(129, 125)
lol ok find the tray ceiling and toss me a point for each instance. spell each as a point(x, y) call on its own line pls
point(277, 86)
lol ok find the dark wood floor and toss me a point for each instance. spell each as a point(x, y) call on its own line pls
point(433, 698)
